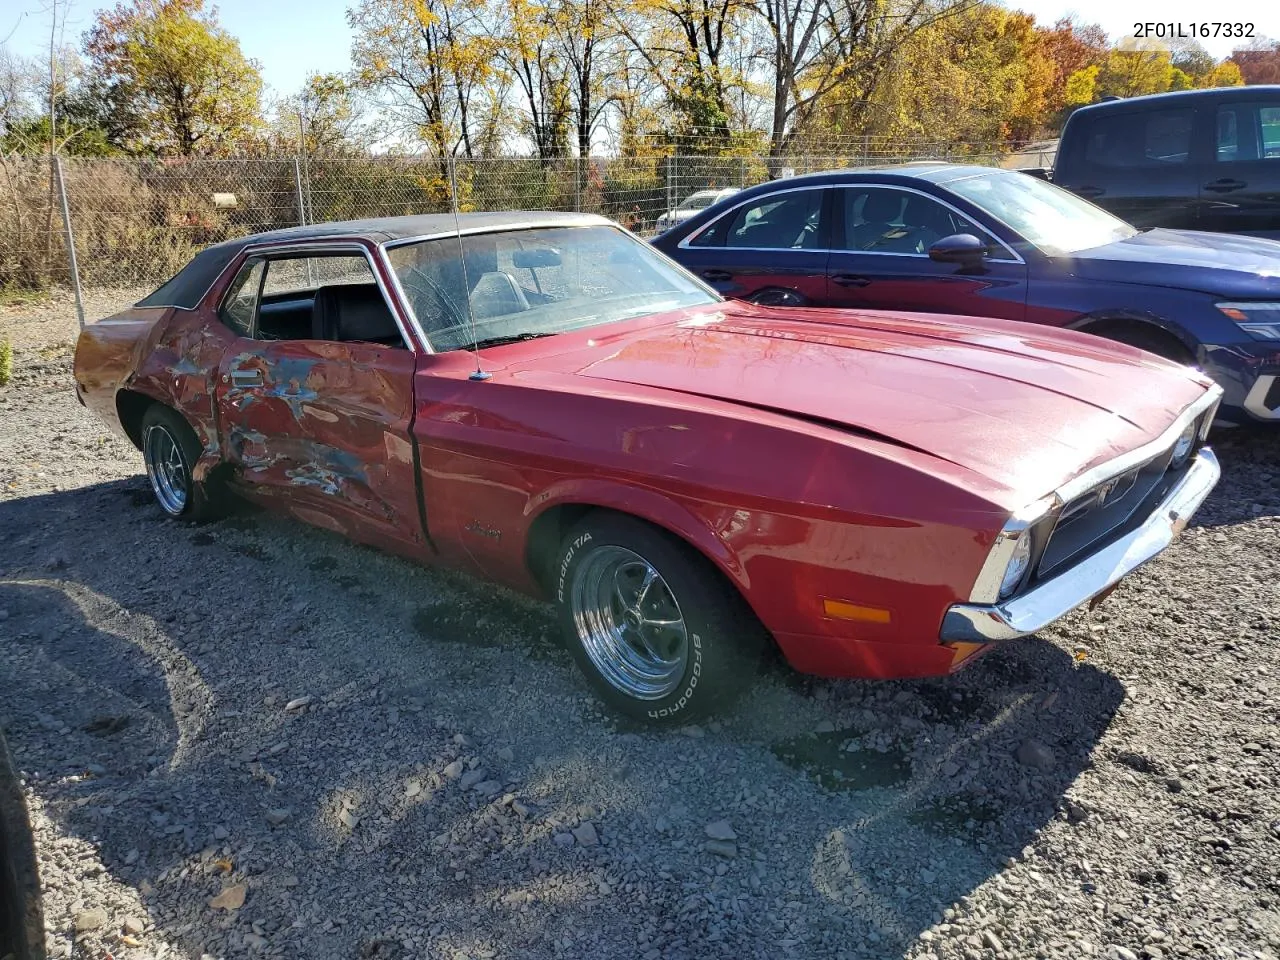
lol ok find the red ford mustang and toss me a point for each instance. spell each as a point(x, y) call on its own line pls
point(565, 411)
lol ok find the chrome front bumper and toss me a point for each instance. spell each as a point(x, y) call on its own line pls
point(1040, 606)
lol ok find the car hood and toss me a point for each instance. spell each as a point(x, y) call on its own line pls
point(1222, 264)
point(1024, 407)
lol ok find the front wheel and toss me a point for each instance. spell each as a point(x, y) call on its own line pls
point(655, 628)
point(170, 450)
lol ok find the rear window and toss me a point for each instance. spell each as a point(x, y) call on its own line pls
point(1155, 138)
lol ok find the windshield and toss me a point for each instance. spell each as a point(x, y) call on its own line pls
point(699, 201)
point(1049, 217)
point(526, 283)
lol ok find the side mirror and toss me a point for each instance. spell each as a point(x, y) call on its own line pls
point(961, 248)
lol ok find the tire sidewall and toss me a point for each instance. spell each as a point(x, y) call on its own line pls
point(694, 695)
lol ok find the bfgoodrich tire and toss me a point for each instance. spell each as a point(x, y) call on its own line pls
point(170, 450)
point(657, 631)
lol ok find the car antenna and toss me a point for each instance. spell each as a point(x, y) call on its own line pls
point(478, 373)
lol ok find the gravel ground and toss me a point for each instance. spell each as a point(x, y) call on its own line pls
point(256, 739)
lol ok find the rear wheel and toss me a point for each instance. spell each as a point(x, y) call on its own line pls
point(655, 628)
point(170, 450)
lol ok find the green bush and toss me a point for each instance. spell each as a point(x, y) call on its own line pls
point(6, 362)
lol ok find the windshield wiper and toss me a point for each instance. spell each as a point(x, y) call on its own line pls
point(508, 338)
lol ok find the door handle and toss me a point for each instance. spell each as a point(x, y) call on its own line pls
point(1225, 185)
point(716, 275)
point(1089, 192)
point(246, 378)
point(850, 280)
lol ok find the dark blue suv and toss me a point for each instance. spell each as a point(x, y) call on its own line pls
point(939, 238)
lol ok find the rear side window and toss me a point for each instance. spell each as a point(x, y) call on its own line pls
point(1248, 131)
point(780, 221)
point(241, 302)
point(1156, 138)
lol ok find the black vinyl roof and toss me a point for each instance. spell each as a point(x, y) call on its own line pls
point(186, 288)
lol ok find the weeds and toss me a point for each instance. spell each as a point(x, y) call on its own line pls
point(6, 362)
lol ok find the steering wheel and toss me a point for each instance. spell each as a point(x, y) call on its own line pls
point(419, 286)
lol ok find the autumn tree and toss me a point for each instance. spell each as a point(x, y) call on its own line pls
point(1070, 49)
point(588, 40)
point(531, 53)
point(325, 117)
point(433, 65)
point(688, 45)
point(1259, 62)
point(175, 80)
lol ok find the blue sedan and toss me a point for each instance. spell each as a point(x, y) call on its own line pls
point(942, 238)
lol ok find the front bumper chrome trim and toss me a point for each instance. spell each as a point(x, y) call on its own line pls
point(1053, 599)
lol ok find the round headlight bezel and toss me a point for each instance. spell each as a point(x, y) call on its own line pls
point(1185, 445)
point(1015, 572)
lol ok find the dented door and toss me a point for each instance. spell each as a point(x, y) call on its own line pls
point(323, 429)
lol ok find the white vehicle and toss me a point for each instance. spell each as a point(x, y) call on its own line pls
point(692, 204)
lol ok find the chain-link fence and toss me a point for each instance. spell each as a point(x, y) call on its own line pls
point(136, 222)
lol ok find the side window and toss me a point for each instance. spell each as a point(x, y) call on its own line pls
point(1155, 138)
point(241, 302)
point(884, 220)
point(325, 298)
point(1248, 131)
point(782, 221)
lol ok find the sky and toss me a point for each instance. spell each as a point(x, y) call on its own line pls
point(291, 38)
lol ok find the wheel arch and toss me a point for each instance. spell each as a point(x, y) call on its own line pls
point(131, 407)
point(1105, 323)
point(558, 510)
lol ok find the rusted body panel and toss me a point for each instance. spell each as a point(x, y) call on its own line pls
point(107, 355)
point(868, 458)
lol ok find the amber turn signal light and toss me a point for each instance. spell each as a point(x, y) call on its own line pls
point(844, 610)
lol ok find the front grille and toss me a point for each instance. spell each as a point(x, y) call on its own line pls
point(1088, 520)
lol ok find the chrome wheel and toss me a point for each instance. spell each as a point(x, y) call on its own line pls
point(629, 623)
point(166, 468)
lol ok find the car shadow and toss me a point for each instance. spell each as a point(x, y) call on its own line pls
point(258, 703)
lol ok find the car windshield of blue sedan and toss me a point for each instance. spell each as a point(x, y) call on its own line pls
point(520, 284)
point(1048, 217)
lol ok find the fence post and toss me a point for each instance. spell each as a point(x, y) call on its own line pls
point(577, 184)
point(297, 179)
point(671, 182)
point(72, 264)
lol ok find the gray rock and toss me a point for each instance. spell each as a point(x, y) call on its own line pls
point(1033, 753)
point(720, 830)
point(506, 754)
point(1116, 952)
point(87, 920)
point(220, 833)
point(991, 941)
point(585, 834)
point(134, 926)
point(472, 777)
point(452, 771)
point(721, 848)
point(298, 703)
point(278, 815)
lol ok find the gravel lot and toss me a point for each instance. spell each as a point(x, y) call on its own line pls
point(255, 739)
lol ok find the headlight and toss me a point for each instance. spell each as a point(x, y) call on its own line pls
point(1016, 571)
point(1008, 563)
point(1185, 444)
point(1258, 319)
